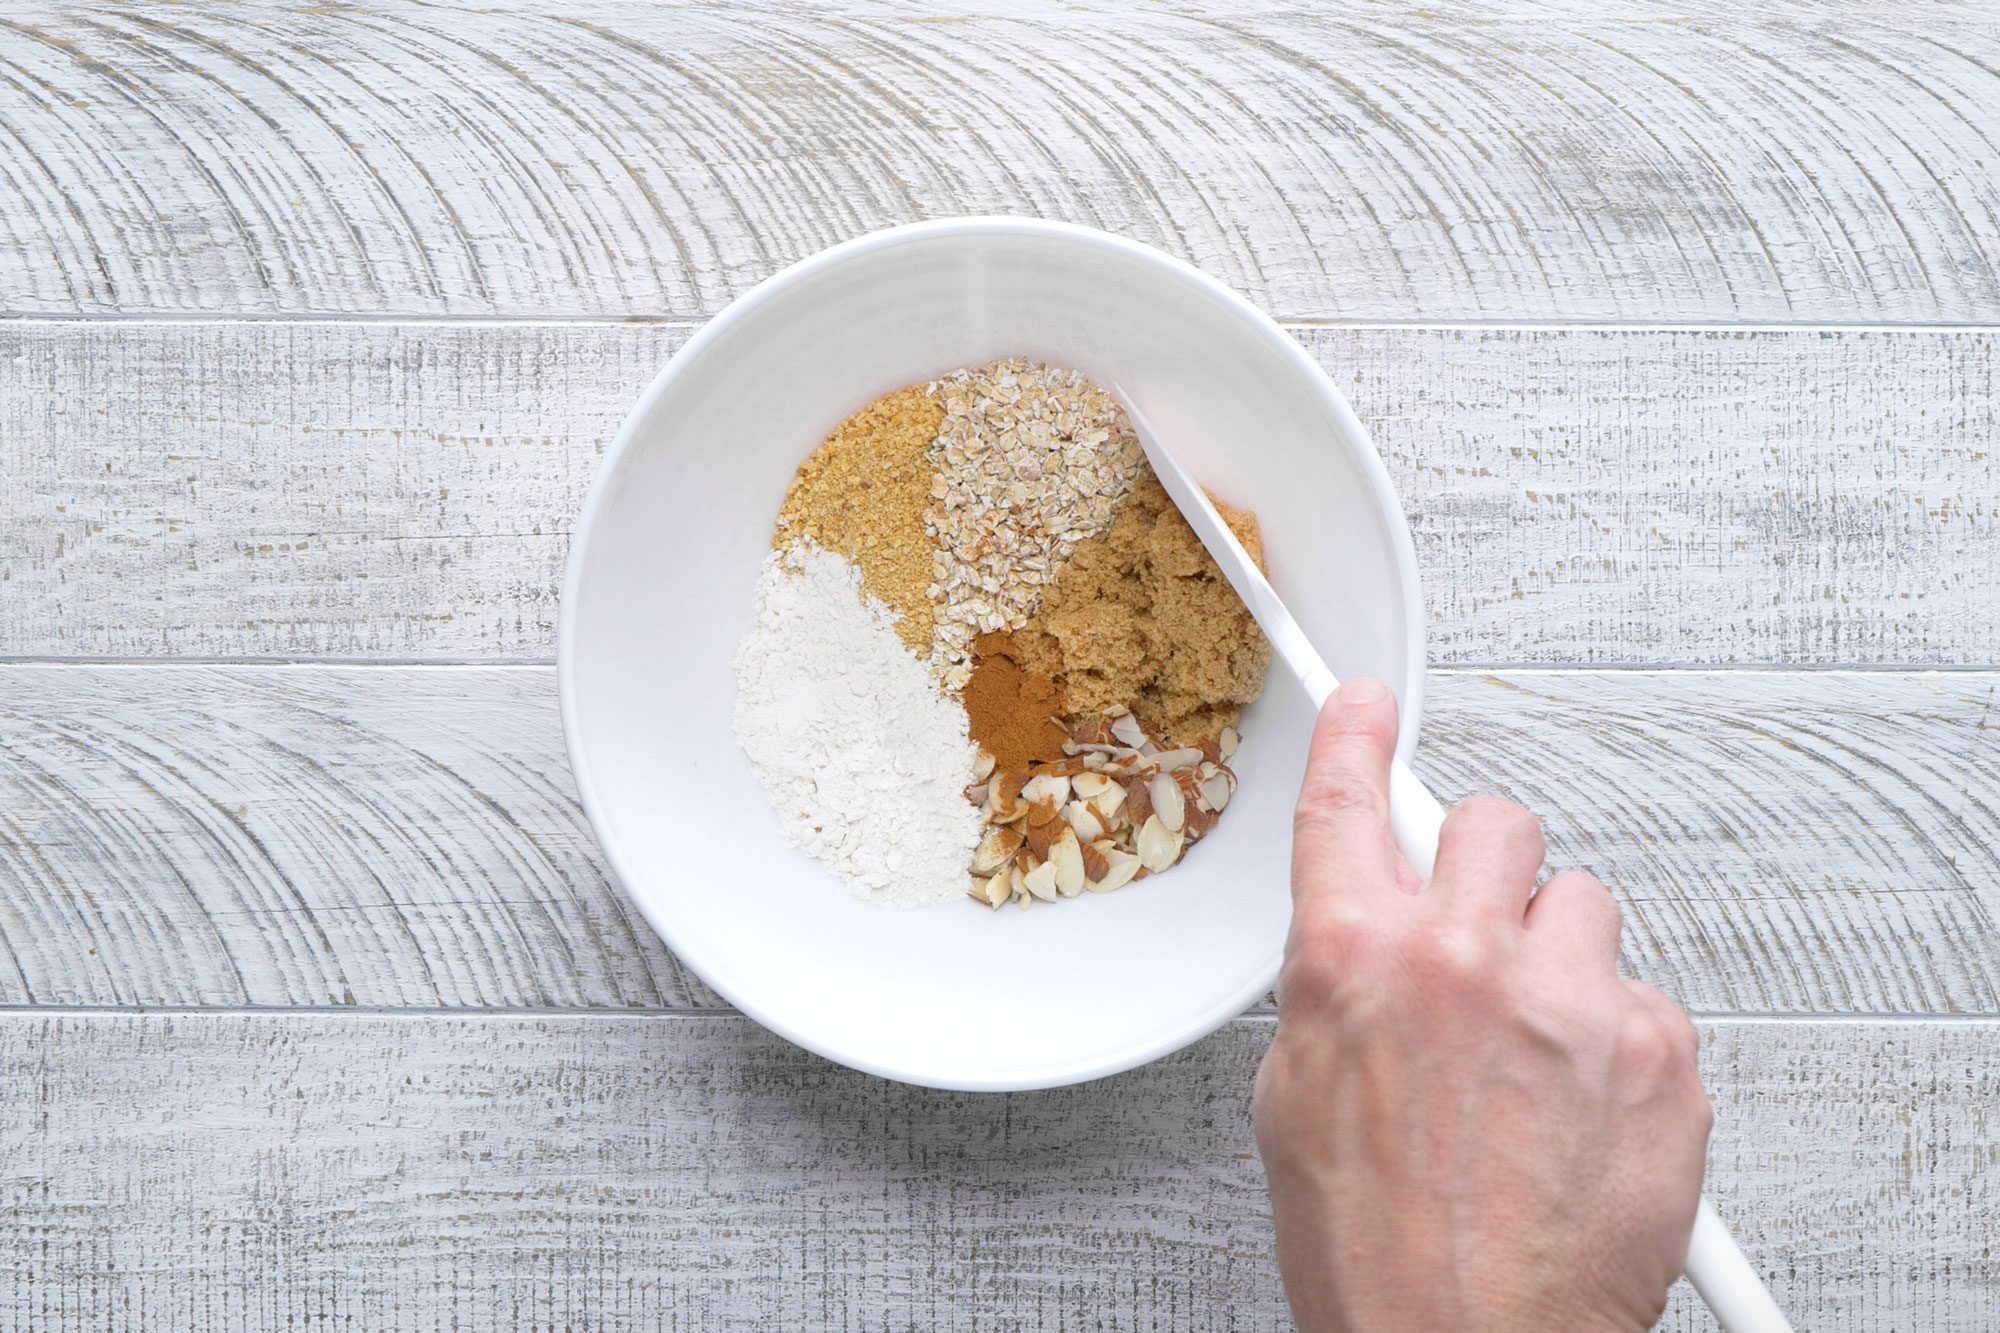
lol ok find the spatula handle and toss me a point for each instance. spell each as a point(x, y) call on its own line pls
point(1716, 1268)
point(1726, 1282)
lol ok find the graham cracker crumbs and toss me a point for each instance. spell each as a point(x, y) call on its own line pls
point(863, 494)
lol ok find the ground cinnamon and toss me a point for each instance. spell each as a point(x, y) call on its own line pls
point(1012, 710)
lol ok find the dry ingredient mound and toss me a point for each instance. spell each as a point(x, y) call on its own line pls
point(1016, 714)
point(987, 558)
point(1030, 461)
point(863, 494)
point(1142, 618)
point(863, 760)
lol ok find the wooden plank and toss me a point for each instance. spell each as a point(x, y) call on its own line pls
point(234, 1172)
point(406, 490)
point(408, 837)
point(1701, 160)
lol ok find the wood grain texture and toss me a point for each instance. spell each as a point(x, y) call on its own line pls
point(1700, 160)
point(236, 1172)
point(406, 490)
point(408, 837)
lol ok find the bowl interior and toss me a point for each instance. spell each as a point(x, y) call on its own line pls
point(662, 586)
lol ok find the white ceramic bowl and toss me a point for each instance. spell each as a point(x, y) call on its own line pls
point(663, 571)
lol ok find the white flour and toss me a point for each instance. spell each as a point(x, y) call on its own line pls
point(863, 760)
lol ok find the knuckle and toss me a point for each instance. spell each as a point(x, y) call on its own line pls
point(1342, 930)
point(1456, 954)
point(1494, 824)
point(1687, 1041)
point(1645, 1041)
point(1498, 813)
point(1310, 978)
point(1326, 953)
point(1337, 799)
point(1586, 893)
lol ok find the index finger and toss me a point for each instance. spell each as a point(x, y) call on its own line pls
point(1341, 843)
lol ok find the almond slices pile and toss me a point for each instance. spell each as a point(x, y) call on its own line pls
point(1116, 809)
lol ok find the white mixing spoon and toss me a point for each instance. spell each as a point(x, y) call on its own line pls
point(1720, 1274)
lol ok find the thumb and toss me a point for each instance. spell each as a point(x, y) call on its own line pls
point(1341, 843)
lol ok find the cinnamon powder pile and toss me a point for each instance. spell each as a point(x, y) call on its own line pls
point(1013, 710)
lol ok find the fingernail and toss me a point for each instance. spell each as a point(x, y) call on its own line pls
point(1363, 691)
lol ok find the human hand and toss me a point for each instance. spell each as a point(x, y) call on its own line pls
point(1468, 1120)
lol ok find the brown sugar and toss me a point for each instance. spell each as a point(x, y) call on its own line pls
point(1012, 710)
point(862, 494)
point(1142, 618)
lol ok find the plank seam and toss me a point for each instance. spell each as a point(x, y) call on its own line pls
point(1293, 323)
point(1748, 1016)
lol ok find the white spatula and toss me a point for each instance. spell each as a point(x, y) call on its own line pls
point(1720, 1274)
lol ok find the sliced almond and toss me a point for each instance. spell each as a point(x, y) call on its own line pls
point(1003, 799)
point(1091, 732)
point(1066, 857)
point(1159, 846)
point(1227, 743)
point(1199, 822)
point(1041, 812)
point(1094, 862)
point(1082, 816)
point(1093, 763)
point(1138, 801)
point(1168, 761)
point(1216, 791)
point(1108, 800)
point(995, 850)
point(1120, 869)
point(1040, 836)
point(1127, 729)
point(999, 888)
point(1041, 881)
point(982, 765)
point(1169, 804)
point(1087, 785)
point(1046, 787)
point(1124, 765)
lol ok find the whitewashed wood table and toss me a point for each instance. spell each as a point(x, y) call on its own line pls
point(1678, 324)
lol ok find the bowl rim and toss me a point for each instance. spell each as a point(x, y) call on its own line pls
point(1410, 692)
